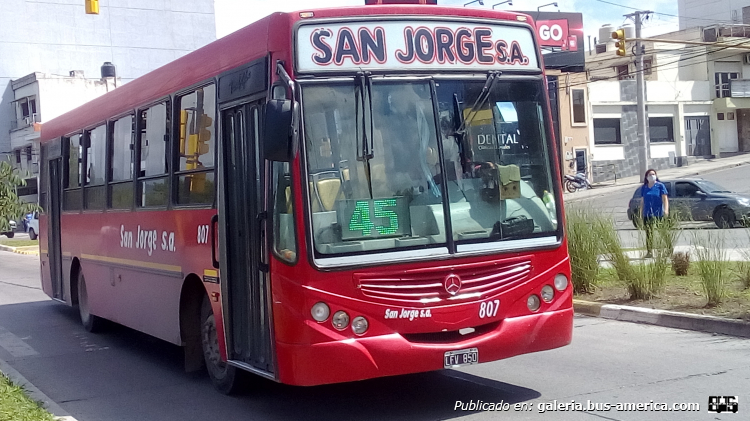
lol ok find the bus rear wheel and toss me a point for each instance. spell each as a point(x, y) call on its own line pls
point(224, 377)
point(90, 322)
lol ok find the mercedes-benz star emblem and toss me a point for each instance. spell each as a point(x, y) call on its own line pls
point(452, 284)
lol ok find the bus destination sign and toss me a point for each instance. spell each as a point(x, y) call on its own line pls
point(416, 45)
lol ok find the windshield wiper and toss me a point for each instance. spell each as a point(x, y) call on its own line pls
point(363, 99)
point(484, 95)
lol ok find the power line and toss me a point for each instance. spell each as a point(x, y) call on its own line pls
point(665, 64)
point(667, 14)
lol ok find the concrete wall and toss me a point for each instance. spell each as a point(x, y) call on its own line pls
point(56, 36)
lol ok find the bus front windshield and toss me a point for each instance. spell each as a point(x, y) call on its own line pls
point(392, 166)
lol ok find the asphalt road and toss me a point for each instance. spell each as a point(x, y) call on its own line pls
point(615, 204)
point(125, 375)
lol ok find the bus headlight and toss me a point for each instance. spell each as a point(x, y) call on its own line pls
point(340, 320)
point(359, 325)
point(547, 293)
point(320, 312)
point(561, 282)
point(533, 302)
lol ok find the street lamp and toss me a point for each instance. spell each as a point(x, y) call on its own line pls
point(510, 3)
point(481, 2)
point(549, 4)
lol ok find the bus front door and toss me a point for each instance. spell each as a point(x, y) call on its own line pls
point(243, 252)
point(53, 227)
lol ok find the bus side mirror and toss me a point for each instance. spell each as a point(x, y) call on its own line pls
point(277, 138)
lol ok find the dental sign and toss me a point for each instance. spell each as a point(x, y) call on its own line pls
point(414, 45)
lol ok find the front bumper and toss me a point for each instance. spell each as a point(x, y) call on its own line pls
point(392, 354)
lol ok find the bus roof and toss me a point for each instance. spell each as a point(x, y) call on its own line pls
point(240, 47)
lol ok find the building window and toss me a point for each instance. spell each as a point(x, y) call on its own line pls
point(28, 153)
point(153, 186)
point(647, 66)
point(607, 131)
point(721, 80)
point(660, 129)
point(197, 147)
point(579, 106)
point(622, 72)
point(18, 156)
point(720, 116)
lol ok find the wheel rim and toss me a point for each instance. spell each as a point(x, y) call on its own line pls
point(210, 339)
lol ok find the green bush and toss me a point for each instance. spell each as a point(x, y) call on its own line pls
point(584, 244)
point(711, 262)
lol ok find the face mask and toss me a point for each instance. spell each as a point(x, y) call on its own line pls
point(652, 178)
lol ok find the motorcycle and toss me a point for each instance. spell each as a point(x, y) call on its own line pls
point(576, 182)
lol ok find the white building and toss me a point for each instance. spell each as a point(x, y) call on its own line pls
point(55, 37)
point(692, 107)
point(694, 13)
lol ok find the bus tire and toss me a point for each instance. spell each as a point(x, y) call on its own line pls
point(89, 321)
point(224, 377)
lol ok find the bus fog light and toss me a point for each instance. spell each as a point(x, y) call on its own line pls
point(359, 325)
point(561, 282)
point(320, 312)
point(547, 293)
point(533, 303)
point(340, 320)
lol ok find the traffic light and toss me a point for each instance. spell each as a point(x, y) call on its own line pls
point(92, 7)
point(619, 36)
point(198, 140)
point(183, 130)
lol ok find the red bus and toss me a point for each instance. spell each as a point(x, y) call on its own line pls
point(323, 196)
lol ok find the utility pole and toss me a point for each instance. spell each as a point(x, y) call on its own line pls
point(643, 140)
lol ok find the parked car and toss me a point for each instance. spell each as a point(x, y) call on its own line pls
point(696, 199)
point(33, 226)
point(10, 233)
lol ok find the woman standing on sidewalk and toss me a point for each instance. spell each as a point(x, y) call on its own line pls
point(654, 205)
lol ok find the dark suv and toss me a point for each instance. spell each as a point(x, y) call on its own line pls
point(695, 199)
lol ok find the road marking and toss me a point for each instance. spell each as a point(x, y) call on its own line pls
point(15, 345)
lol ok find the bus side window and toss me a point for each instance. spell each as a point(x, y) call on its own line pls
point(196, 144)
point(73, 165)
point(153, 188)
point(94, 190)
point(122, 161)
point(284, 238)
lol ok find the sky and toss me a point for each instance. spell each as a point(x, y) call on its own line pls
point(235, 14)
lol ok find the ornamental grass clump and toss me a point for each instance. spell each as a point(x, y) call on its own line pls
point(681, 263)
point(711, 262)
point(647, 278)
point(584, 243)
point(743, 266)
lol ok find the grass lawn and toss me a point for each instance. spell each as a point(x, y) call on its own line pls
point(16, 406)
point(18, 243)
point(682, 293)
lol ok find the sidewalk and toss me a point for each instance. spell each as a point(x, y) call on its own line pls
point(696, 169)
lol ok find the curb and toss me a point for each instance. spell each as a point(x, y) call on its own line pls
point(665, 318)
point(34, 393)
point(30, 250)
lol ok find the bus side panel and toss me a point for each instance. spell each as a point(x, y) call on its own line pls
point(135, 264)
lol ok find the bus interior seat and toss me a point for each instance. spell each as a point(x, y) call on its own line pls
point(326, 187)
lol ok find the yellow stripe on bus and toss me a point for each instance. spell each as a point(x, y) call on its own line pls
point(43, 251)
point(210, 272)
point(135, 263)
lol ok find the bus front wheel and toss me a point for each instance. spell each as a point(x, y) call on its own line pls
point(90, 322)
point(224, 377)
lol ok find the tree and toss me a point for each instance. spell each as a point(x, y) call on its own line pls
point(11, 207)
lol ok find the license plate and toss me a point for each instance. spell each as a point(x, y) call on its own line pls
point(461, 357)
